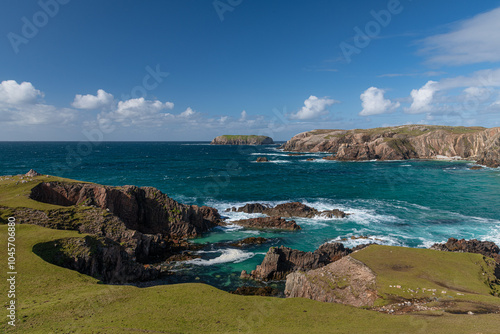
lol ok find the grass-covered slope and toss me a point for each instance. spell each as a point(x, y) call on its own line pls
point(56, 300)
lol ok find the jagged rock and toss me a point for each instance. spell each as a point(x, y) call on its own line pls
point(138, 226)
point(145, 209)
point(486, 248)
point(346, 281)
point(281, 261)
point(242, 140)
point(256, 291)
point(97, 257)
point(262, 159)
point(268, 223)
point(310, 159)
point(292, 209)
point(250, 241)
point(32, 173)
point(403, 142)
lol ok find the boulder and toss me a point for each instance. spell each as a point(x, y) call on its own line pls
point(262, 159)
point(346, 281)
point(280, 261)
point(250, 241)
point(268, 223)
point(32, 173)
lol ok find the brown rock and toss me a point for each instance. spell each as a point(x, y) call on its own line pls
point(281, 261)
point(476, 167)
point(262, 159)
point(32, 173)
point(250, 241)
point(346, 281)
point(292, 209)
point(268, 223)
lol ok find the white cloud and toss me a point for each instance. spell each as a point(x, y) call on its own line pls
point(243, 116)
point(101, 100)
point(13, 93)
point(422, 98)
point(373, 102)
point(139, 112)
point(187, 113)
point(314, 107)
point(18, 106)
point(474, 40)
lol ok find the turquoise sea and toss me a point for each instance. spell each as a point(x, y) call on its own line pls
point(404, 203)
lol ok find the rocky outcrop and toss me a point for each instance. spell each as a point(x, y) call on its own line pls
point(268, 223)
point(32, 173)
point(281, 261)
point(134, 226)
point(403, 142)
point(292, 209)
point(146, 209)
point(486, 248)
point(262, 159)
point(249, 241)
point(347, 281)
point(97, 257)
point(242, 140)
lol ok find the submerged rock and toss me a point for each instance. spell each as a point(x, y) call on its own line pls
point(262, 159)
point(346, 281)
point(280, 261)
point(268, 223)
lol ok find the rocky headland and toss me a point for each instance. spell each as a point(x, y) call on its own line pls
point(242, 140)
point(403, 142)
point(127, 228)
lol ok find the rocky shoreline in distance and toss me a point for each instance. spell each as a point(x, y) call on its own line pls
point(242, 140)
point(402, 143)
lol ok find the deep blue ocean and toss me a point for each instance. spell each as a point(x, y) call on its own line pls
point(405, 203)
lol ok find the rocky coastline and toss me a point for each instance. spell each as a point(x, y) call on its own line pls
point(403, 142)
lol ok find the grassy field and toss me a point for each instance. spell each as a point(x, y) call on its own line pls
point(52, 299)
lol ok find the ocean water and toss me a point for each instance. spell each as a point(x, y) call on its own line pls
point(402, 203)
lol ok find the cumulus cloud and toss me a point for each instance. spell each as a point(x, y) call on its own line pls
point(422, 98)
point(314, 107)
point(243, 116)
point(374, 103)
point(101, 100)
point(13, 93)
point(471, 41)
point(19, 106)
point(187, 113)
point(139, 112)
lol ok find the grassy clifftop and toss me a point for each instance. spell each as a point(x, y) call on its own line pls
point(242, 140)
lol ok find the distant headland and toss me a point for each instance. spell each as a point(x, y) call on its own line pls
point(242, 140)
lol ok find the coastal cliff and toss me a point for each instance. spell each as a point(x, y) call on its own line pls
point(403, 142)
point(242, 140)
point(127, 229)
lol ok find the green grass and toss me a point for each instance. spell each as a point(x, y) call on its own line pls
point(56, 300)
point(464, 276)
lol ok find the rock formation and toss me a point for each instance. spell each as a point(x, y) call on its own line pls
point(281, 261)
point(486, 248)
point(262, 159)
point(130, 227)
point(292, 209)
point(242, 140)
point(268, 223)
point(347, 281)
point(249, 241)
point(32, 173)
point(403, 142)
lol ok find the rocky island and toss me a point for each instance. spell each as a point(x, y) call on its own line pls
point(403, 142)
point(242, 140)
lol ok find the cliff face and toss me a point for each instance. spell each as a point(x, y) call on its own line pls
point(403, 142)
point(129, 228)
point(242, 140)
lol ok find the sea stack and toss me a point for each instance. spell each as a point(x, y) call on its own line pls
point(242, 140)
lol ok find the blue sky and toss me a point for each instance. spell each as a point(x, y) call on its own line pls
point(192, 70)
